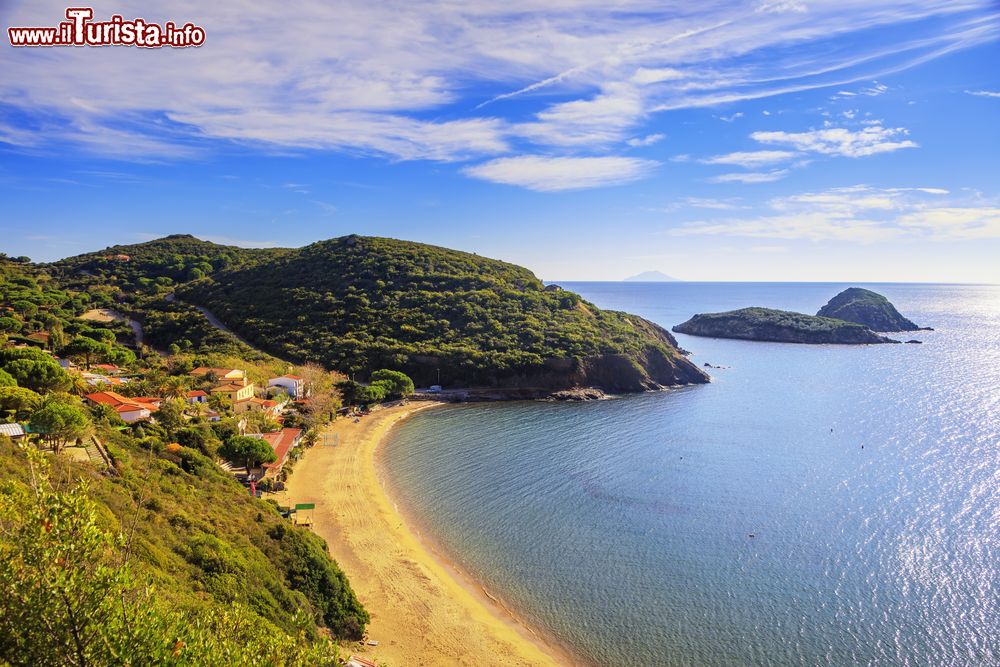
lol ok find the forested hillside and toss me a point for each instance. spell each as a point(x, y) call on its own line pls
point(357, 304)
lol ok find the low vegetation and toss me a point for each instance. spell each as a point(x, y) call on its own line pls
point(152, 554)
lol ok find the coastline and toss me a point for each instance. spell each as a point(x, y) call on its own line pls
point(424, 610)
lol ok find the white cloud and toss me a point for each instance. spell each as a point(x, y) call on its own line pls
point(403, 80)
point(750, 177)
point(983, 93)
point(552, 174)
point(700, 202)
point(840, 141)
point(783, 6)
point(731, 118)
point(861, 214)
point(648, 140)
point(644, 76)
point(750, 159)
point(873, 90)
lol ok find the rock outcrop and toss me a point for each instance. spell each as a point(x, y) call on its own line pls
point(780, 326)
point(868, 308)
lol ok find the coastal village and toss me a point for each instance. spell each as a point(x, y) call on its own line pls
point(246, 401)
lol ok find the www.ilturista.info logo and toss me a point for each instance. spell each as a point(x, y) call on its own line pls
point(79, 30)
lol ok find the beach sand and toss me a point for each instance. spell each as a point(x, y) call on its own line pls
point(423, 612)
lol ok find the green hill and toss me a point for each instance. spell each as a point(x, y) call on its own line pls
point(871, 309)
point(767, 324)
point(357, 304)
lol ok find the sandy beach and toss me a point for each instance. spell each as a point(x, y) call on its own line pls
point(422, 611)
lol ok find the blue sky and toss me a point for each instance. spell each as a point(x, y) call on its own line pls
point(787, 140)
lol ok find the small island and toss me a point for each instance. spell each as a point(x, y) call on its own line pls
point(779, 326)
point(871, 309)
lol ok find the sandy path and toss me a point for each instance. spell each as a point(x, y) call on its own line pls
point(421, 614)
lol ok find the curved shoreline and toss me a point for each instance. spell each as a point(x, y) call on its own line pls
point(424, 610)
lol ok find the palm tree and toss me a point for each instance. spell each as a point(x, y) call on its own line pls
point(174, 387)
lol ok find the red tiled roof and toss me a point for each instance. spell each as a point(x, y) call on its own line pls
point(119, 402)
point(280, 441)
point(292, 377)
point(106, 398)
point(196, 393)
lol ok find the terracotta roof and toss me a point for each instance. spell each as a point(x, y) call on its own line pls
point(196, 393)
point(119, 402)
point(205, 370)
point(106, 398)
point(280, 441)
point(292, 377)
point(111, 368)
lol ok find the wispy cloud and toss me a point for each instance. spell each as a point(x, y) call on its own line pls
point(750, 177)
point(406, 81)
point(873, 90)
point(551, 174)
point(861, 214)
point(840, 141)
point(983, 93)
point(750, 159)
point(648, 140)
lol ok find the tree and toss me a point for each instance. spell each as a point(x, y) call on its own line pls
point(260, 422)
point(26, 308)
point(68, 596)
point(86, 347)
point(10, 324)
point(400, 384)
point(174, 387)
point(18, 402)
point(6, 379)
point(200, 437)
point(40, 376)
point(171, 415)
point(252, 451)
point(61, 422)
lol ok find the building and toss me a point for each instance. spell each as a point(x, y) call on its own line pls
point(219, 373)
point(67, 365)
point(196, 396)
point(293, 385)
point(235, 390)
point(255, 404)
point(95, 379)
point(282, 442)
point(106, 369)
point(130, 410)
point(13, 431)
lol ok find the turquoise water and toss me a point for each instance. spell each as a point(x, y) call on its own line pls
point(814, 505)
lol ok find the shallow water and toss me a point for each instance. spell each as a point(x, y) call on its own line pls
point(814, 505)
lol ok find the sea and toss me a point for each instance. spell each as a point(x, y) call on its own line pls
point(813, 505)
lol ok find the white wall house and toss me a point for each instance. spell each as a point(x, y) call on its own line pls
point(293, 385)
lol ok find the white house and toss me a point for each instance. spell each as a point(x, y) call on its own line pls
point(197, 396)
point(293, 385)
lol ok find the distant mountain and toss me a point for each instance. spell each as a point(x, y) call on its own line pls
point(651, 277)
